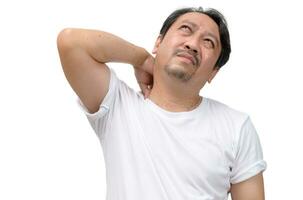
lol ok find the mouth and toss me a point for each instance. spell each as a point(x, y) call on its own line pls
point(188, 57)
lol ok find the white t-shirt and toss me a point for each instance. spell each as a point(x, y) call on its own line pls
point(154, 154)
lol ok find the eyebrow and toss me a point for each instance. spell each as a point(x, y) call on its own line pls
point(207, 32)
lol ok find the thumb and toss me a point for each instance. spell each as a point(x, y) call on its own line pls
point(147, 91)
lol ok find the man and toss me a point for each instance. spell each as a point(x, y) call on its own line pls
point(168, 142)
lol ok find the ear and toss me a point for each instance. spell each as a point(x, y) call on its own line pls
point(157, 44)
point(212, 75)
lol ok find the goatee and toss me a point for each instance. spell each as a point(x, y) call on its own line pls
point(177, 73)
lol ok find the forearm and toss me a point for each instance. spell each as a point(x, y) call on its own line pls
point(105, 47)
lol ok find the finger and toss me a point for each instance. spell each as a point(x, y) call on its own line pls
point(144, 88)
point(148, 91)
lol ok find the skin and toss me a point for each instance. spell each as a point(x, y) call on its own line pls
point(184, 61)
point(178, 80)
point(179, 77)
point(250, 189)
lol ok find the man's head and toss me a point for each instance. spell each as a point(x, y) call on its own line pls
point(192, 38)
point(214, 15)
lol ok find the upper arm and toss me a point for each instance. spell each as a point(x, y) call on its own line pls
point(250, 189)
point(88, 78)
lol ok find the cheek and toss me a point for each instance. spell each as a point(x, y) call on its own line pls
point(167, 48)
point(161, 56)
point(171, 41)
point(210, 58)
point(165, 51)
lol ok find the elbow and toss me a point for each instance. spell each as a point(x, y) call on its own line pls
point(65, 38)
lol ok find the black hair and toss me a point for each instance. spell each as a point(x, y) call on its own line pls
point(214, 15)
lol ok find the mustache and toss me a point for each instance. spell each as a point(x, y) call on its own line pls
point(179, 52)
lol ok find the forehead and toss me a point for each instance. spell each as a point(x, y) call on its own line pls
point(201, 20)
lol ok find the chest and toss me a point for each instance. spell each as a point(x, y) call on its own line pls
point(191, 152)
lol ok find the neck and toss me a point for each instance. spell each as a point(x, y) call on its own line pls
point(173, 99)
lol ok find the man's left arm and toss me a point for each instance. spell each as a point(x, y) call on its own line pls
point(250, 189)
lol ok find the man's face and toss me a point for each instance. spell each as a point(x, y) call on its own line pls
point(190, 49)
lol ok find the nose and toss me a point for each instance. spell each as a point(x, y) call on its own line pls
point(191, 48)
point(192, 44)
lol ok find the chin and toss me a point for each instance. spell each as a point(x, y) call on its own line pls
point(179, 72)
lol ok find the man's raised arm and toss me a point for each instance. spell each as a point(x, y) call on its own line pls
point(83, 54)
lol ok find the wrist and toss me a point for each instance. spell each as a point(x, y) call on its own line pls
point(140, 57)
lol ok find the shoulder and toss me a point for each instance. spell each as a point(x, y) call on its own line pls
point(233, 125)
point(226, 115)
point(219, 108)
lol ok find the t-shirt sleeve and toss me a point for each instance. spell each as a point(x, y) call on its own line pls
point(248, 154)
point(99, 119)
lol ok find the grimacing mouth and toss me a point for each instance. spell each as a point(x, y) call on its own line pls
point(189, 55)
point(191, 58)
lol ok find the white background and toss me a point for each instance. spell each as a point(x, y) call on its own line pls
point(47, 148)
